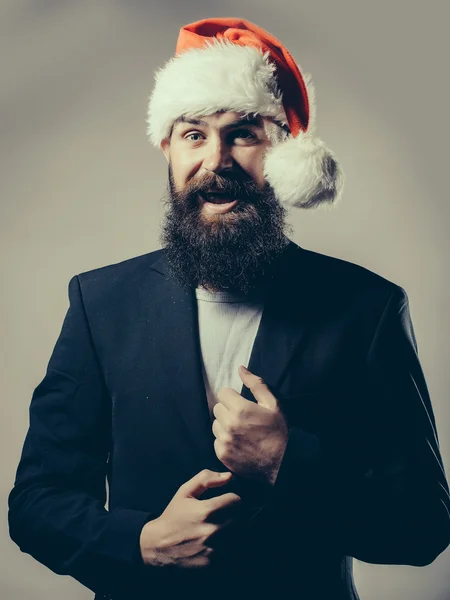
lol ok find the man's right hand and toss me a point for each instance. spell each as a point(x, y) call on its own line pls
point(180, 535)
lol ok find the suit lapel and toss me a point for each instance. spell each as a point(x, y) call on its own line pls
point(279, 334)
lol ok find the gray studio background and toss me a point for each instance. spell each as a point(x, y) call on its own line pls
point(82, 187)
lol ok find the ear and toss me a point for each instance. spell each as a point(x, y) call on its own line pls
point(165, 147)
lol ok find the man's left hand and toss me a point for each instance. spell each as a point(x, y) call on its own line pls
point(250, 437)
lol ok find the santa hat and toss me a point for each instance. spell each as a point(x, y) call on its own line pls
point(232, 64)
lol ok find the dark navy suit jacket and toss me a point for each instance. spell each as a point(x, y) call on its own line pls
point(123, 401)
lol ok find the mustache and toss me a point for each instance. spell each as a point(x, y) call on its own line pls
point(233, 184)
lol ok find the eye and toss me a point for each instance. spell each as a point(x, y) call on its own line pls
point(244, 134)
point(243, 137)
point(193, 133)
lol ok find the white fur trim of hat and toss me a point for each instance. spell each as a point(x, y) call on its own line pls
point(223, 75)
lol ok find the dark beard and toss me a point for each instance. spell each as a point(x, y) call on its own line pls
point(232, 251)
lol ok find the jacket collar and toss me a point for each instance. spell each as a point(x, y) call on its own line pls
point(280, 332)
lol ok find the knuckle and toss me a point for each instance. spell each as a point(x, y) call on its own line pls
point(233, 427)
point(227, 439)
point(222, 453)
point(241, 414)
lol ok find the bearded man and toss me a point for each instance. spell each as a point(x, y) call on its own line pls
point(227, 482)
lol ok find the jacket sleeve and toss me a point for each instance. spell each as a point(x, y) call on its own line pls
point(57, 508)
point(387, 500)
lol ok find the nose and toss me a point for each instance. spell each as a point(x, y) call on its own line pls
point(217, 156)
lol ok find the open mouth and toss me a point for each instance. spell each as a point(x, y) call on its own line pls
point(217, 202)
point(217, 197)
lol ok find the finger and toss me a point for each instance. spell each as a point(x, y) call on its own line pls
point(224, 501)
point(218, 430)
point(231, 399)
point(221, 412)
point(202, 481)
point(259, 388)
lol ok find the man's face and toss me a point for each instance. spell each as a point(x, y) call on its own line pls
point(224, 225)
point(220, 143)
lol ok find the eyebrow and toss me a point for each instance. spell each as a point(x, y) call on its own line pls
point(247, 121)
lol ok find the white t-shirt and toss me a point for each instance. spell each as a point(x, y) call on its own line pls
point(228, 323)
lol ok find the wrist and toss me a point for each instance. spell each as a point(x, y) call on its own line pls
point(148, 542)
point(279, 459)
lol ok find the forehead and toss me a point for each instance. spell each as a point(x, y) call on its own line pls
point(221, 119)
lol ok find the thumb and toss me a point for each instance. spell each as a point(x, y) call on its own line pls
point(258, 388)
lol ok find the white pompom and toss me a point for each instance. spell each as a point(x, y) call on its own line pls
point(303, 172)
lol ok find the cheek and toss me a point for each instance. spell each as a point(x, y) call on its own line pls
point(183, 167)
point(253, 163)
point(178, 173)
point(259, 176)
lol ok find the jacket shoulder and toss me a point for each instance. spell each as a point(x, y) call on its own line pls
point(344, 278)
point(118, 275)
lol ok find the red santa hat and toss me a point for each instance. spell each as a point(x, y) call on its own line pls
point(232, 64)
